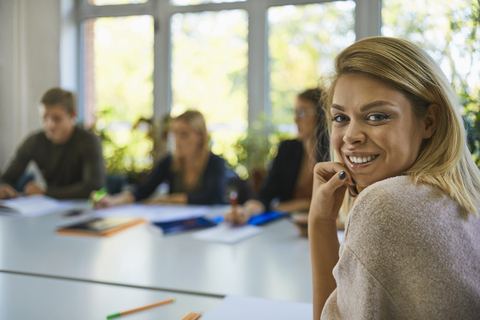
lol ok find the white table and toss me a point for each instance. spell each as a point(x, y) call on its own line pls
point(33, 297)
point(274, 264)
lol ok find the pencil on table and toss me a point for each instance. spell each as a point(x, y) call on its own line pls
point(156, 304)
point(192, 316)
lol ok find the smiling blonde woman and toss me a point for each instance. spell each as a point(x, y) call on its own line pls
point(412, 242)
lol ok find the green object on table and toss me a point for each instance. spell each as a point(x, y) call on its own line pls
point(114, 315)
point(98, 195)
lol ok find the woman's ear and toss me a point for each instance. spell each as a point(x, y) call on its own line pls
point(430, 120)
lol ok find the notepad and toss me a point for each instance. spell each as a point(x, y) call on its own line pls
point(98, 227)
point(225, 233)
point(34, 205)
point(251, 308)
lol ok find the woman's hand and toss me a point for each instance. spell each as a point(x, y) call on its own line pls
point(7, 192)
point(108, 200)
point(241, 214)
point(32, 188)
point(330, 182)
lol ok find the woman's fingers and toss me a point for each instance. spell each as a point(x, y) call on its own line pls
point(325, 171)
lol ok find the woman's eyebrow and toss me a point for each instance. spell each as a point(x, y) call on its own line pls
point(379, 103)
point(336, 106)
point(375, 104)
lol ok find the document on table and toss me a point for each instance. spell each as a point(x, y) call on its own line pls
point(224, 233)
point(31, 206)
point(154, 213)
point(241, 308)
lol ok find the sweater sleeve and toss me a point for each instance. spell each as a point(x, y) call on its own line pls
point(93, 173)
point(213, 183)
point(358, 295)
point(161, 173)
point(19, 162)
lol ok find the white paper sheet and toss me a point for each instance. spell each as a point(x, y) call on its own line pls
point(31, 206)
point(154, 213)
point(242, 308)
point(224, 233)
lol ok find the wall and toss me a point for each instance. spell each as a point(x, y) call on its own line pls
point(29, 65)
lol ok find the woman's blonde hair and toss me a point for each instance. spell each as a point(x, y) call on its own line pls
point(196, 120)
point(443, 160)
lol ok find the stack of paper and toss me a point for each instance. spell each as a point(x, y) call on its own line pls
point(32, 205)
point(241, 308)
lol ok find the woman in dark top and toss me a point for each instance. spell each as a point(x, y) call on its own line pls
point(195, 175)
point(290, 178)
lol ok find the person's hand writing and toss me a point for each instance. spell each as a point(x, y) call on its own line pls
point(32, 188)
point(7, 192)
point(241, 214)
point(108, 200)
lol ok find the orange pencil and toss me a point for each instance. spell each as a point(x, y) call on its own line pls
point(156, 304)
point(192, 316)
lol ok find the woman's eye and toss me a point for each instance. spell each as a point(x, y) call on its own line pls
point(377, 117)
point(340, 119)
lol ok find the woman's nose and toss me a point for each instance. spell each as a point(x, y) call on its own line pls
point(354, 133)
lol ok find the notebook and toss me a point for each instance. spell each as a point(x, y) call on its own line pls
point(99, 227)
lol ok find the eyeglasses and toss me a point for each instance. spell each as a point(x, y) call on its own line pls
point(300, 113)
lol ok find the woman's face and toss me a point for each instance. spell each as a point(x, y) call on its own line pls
point(305, 119)
point(374, 130)
point(187, 140)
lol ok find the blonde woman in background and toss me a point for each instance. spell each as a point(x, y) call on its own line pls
point(412, 241)
point(195, 175)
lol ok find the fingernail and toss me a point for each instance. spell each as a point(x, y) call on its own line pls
point(355, 189)
point(342, 175)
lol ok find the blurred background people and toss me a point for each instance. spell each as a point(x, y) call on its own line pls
point(195, 175)
point(69, 157)
point(290, 179)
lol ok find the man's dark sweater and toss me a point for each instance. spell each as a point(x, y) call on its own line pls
point(72, 170)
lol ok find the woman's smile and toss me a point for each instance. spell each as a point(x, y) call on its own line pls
point(359, 160)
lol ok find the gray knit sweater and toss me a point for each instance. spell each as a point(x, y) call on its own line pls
point(409, 252)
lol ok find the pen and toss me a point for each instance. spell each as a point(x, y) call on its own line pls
point(192, 316)
point(156, 304)
point(98, 195)
point(233, 200)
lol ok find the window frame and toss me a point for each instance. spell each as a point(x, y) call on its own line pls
point(367, 24)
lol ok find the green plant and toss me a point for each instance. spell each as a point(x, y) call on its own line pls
point(256, 149)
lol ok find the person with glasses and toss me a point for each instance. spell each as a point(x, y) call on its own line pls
point(290, 179)
point(195, 175)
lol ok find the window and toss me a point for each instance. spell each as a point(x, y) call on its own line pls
point(209, 70)
point(114, 2)
point(233, 60)
point(118, 87)
point(444, 29)
point(195, 2)
point(303, 41)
